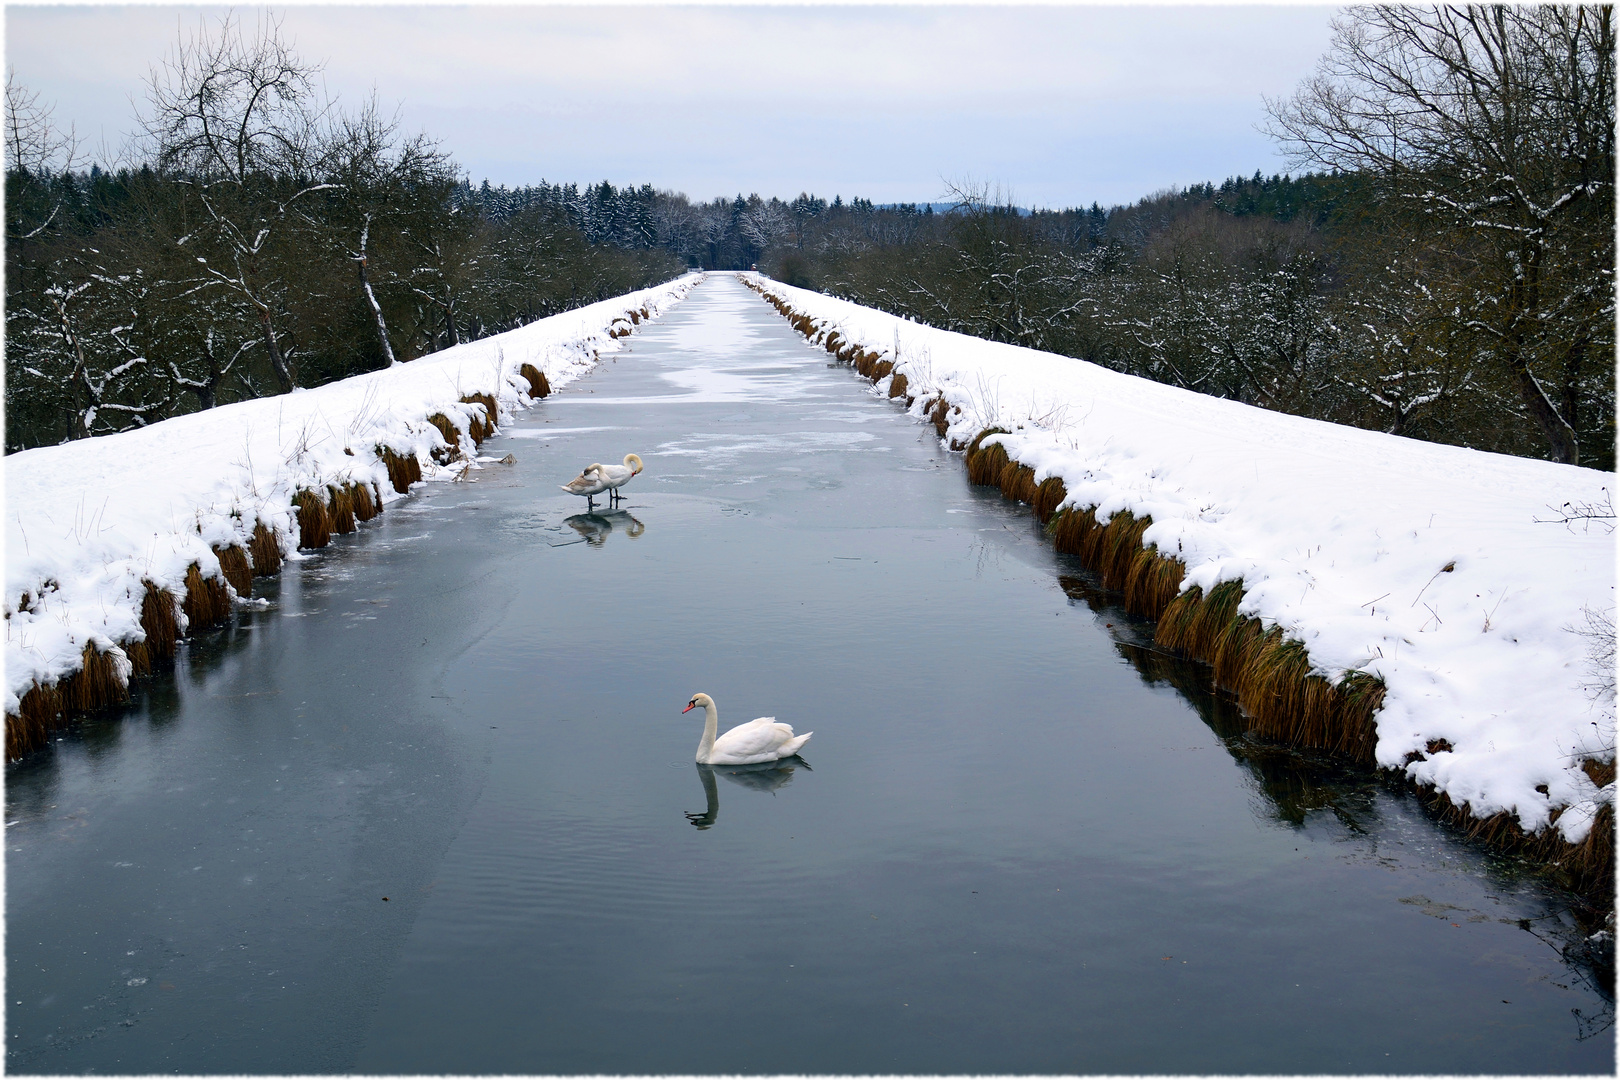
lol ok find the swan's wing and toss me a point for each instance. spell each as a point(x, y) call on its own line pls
point(755, 737)
point(589, 481)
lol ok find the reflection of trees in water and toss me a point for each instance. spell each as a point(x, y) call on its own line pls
point(32, 782)
point(1375, 807)
point(763, 776)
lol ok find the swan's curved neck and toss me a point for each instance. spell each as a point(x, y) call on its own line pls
point(711, 725)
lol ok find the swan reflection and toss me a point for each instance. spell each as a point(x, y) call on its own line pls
point(765, 776)
point(595, 527)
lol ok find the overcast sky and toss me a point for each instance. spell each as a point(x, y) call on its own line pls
point(1059, 106)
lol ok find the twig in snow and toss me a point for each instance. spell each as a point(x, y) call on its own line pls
point(1446, 569)
point(1600, 511)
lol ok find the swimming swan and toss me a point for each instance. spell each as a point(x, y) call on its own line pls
point(758, 740)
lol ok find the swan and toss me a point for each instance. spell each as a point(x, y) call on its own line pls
point(617, 475)
point(758, 740)
point(590, 483)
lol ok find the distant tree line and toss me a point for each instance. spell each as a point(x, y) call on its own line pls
point(1445, 273)
point(1444, 269)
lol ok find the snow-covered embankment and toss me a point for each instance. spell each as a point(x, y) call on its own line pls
point(1434, 577)
point(114, 543)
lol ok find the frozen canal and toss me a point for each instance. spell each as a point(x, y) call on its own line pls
point(435, 810)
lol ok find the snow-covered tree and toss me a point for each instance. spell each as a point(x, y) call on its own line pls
point(1491, 129)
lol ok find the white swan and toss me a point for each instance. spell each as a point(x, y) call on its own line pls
point(590, 483)
point(758, 740)
point(617, 475)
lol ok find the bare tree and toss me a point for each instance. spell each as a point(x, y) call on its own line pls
point(377, 177)
point(1495, 123)
point(33, 141)
point(237, 119)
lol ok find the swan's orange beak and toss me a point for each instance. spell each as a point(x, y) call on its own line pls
point(690, 707)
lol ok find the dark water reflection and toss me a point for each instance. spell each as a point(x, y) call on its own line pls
point(431, 810)
point(595, 528)
point(1294, 787)
point(765, 776)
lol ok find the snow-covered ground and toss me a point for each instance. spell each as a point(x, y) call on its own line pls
point(1429, 566)
point(88, 522)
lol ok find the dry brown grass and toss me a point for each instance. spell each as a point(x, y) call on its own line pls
point(160, 620)
point(314, 521)
point(36, 715)
point(94, 686)
point(233, 563)
point(43, 709)
point(1116, 546)
point(366, 504)
point(1017, 482)
point(1600, 773)
point(403, 469)
point(451, 433)
point(539, 386)
point(1069, 529)
point(1152, 583)
point(937, 413)
point(1047, 496)
point(1114, 552)
point(897, 388)
point(207, 603)
point(482, 428)
point(1270, 675)
point(832, 343)
point(340, 509)
point(266, 551)
point(984, 463)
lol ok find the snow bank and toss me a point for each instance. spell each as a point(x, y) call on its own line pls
point(1422, 564)
point(88, 523)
